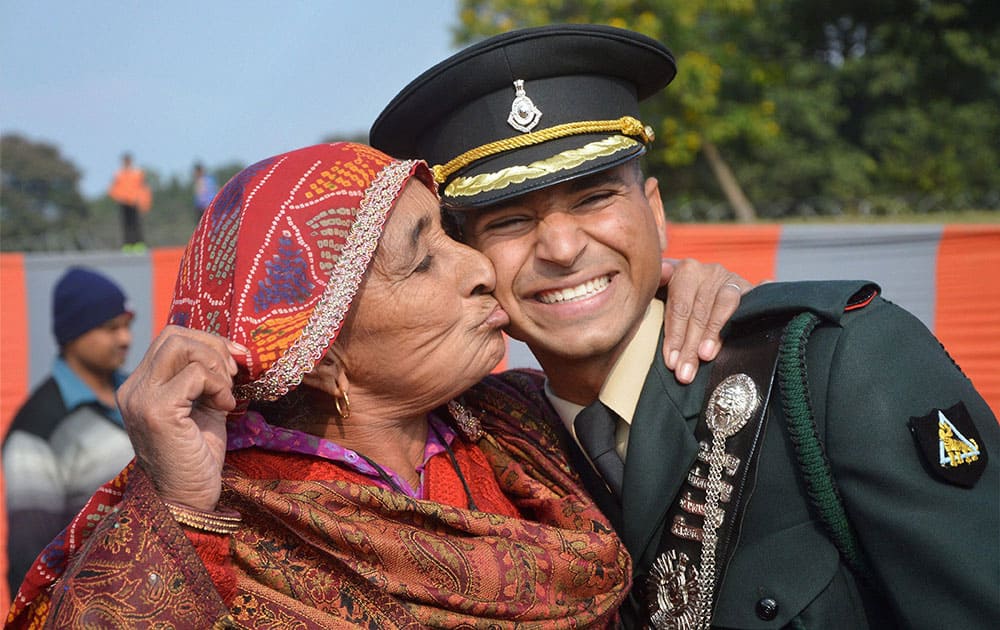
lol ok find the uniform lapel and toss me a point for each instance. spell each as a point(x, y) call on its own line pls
point(661, 450)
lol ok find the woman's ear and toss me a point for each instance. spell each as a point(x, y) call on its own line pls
point(328, 376)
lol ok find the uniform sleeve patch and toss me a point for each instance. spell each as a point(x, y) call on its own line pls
point(951, 446)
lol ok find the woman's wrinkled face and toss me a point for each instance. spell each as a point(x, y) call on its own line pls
point(425, 325)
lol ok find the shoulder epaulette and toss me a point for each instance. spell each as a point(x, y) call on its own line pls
point(827, 299)
point(863, 297)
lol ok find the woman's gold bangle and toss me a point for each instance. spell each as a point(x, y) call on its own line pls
point(214, 522)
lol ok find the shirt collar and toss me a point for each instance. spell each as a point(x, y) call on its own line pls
point(624, 383)
point(76, 393)
point(253, 430)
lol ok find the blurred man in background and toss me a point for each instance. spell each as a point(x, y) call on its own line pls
point(68, 437)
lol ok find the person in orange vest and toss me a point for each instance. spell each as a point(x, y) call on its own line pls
point(129, 189)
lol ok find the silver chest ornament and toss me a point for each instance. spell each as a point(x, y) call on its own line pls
point(672, 590)
point(524, 116)
point(679, 595)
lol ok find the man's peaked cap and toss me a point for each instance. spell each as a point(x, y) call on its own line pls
point(527, 109)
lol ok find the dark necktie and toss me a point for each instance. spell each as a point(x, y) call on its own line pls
point(595, 428)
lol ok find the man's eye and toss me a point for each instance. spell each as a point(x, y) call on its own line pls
point(505, 224)
point(597, 198)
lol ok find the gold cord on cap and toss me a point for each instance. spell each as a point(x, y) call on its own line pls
point(626, 124)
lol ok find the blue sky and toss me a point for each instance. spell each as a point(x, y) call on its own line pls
point(216, 81)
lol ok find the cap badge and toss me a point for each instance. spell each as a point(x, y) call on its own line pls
point(524, 116)
point(951, 445)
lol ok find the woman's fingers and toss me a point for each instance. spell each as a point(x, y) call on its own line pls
point(175, 405)
point(700, 300)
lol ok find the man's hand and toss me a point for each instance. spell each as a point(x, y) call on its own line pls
point(700, 300)
point(174, 405)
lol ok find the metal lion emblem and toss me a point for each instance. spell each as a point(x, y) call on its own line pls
point(524, 116)
point(732, 404)
point(672, 592)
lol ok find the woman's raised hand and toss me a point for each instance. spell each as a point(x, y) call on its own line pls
point(175, 405)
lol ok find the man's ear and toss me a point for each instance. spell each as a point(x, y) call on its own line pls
point(652, 192)
point(328, 376)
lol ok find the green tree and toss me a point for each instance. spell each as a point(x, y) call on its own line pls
point(805, 166)
point(917, 85)
point(40, 203)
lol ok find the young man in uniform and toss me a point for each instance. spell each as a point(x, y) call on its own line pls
point(830, 471)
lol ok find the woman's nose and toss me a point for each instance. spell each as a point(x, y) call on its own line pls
point(478, 275)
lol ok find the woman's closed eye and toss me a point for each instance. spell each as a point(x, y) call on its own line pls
point(424, 265)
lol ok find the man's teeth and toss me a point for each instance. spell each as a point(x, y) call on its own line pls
point(584, 290)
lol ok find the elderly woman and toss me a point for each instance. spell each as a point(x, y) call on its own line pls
point(303, 455)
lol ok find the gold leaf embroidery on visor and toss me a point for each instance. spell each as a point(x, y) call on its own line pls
point(485, 182)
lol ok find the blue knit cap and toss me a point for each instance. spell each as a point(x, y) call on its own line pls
point(83, 299)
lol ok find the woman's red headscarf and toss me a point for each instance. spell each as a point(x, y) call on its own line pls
point(278, 256)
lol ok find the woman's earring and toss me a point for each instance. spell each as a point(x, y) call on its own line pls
point(345, 410)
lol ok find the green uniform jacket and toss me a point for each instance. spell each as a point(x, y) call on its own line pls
point(932, 546)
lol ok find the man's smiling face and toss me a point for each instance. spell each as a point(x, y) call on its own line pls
point(576, 263)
